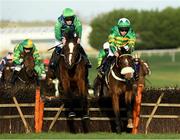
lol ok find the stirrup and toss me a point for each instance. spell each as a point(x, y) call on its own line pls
point(71, 114)
point(89, 65)
point(85, 117)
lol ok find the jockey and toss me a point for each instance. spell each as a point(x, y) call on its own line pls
point(27, 46)
point(121, 37)
point(103, 53)
point(102, 56)
point(69, 23)
point(5, 60)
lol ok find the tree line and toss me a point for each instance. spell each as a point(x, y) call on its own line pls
point(154, 29)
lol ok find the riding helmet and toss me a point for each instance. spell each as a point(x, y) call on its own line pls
point(27, 43)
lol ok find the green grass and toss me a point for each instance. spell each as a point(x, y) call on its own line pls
point(97, 135)
point(165, 73)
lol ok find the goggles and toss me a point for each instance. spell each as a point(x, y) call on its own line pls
point(9, 60)
point(69, 18)
point(124, 29)
point(27, 48)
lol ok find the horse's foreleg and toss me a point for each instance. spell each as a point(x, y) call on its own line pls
point(129, 105)
point(116, 108)
point(68, 94)
point(83, 93)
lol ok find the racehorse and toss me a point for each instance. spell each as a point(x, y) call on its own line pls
point(27, 74)
point(121, 81)
point(7, 74)
point(72, 72)
point(100, 86)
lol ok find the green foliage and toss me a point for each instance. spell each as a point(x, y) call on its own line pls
point(154, 29)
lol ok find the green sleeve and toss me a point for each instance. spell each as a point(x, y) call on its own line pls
point(101, 56)
point(132, 38)
point(113, 49)
point(78, 26)
point(17, 54)
point(39, 66)
point(112, 35)
point(36, 56)
point(57, 30)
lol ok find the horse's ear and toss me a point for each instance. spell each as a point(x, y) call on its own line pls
point(76, 38)
point(145, 68)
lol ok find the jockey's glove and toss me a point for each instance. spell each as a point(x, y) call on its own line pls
point(58, 43)
point(18, 67)
point(126, 48)
point(43, 76)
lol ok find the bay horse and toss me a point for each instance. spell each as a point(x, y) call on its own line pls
point(26, 78)
point(121, 81)
point(72, 71)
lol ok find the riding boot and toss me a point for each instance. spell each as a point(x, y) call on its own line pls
point(14, 77)
point(106, 65)
point(89, 65)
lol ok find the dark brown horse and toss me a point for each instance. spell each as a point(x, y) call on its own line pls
point(121, 81)
point(6, 75)
point(27, 74)
point(72, 72)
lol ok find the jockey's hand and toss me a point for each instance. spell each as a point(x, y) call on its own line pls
point(18, 67)
point(57, 43)
point(43, 76)
point(116, 54)
point(126, 48)
point(78, 41)
point(63, 41)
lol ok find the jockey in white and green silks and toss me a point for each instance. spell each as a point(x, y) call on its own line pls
point(121, 37)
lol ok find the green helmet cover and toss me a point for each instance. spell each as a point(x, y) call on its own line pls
point(123, 22)
point(68, 12)
point(27, 43)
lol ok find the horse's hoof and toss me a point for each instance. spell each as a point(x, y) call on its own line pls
point(85, 117)
point(71, 114)
point(130, 124)
point(118, 130)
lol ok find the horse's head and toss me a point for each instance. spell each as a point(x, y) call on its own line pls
point(29, 64)
point(7, 72)
point(125, 64)
point(71, 52)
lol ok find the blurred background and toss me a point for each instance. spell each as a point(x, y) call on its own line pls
point(156, 23)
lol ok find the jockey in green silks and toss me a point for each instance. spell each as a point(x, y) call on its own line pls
point(103, 53)
point(121, 37)
point(27, 46)
point(67, 24)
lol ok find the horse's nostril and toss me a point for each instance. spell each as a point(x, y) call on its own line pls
point(128, 75)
